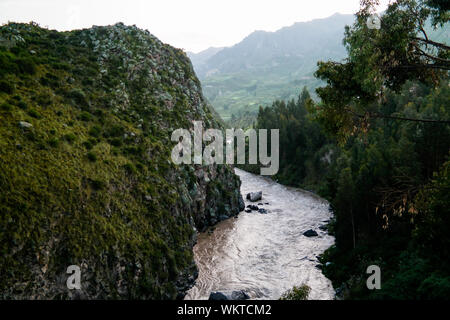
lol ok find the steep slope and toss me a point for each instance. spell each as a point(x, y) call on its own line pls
point(85, 172)
point(270, 65)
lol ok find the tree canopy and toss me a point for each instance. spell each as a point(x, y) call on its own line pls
point(382, 59)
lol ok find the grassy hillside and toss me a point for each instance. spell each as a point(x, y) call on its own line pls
point(85, 170)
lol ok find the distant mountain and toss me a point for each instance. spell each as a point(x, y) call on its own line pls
point(269, 65)
point(202, 57)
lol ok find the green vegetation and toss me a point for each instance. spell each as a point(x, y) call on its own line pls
point(380, 156)
point(297, 293)
point(85, 170)
point(305, 151)
point(268, 65)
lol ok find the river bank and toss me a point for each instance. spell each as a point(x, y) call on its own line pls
point(266, 254)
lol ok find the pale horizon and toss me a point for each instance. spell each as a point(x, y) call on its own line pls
point(193, 26)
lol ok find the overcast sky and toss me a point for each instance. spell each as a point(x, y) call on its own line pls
point(192, 25)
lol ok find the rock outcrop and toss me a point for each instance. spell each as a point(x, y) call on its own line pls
point(86, 176)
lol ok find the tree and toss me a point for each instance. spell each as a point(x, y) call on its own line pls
point(379, 60)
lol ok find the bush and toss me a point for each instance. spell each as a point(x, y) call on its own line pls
point(88, 144)
point(70, 137)
point(85, 116)
point(92, 156)
point(78, 97)
point(53, 142)
point(435, 287)
point(129, 167)
point(6, 87)
point(6, 107)
point(114, 131)
point(43, 100)
point(297, 293)
point(22, 105)
point(97, 184)
point(26, 65)
point(117, 142)
point(95, 131)
point(33, 113)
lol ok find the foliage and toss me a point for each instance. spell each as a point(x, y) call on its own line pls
point(297, 293)
point(88, 180)
point(380, 60)
point(305, 152)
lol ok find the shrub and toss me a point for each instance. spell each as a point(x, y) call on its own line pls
point(117, 142)
point(53, 142)
point(88, 144)
point(33, 113)
point(129, 167)
point(297, 293)
point(6, 107)
point(70, 137)
point(85, 116)
point(43, 100)
point(61, 66)
point(114, 131)
point(6, 87)
point(78, 97)
point(95, 131)
point(49, 80)
point(87, 82)
point(26, 65)
point(97, 184)
point(22, 105)
point(92, 156)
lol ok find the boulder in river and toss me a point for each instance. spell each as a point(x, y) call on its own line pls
point(216, 295)
point(253, 207)
point(254, 196)
point(227, 295)
point(323, 227)
point(310, 233)
point(248, 210)
point(239, 295)
point(262, 211)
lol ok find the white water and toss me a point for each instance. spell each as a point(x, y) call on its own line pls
point(266, 254)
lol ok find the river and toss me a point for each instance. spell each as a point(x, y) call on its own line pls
point(265, 254)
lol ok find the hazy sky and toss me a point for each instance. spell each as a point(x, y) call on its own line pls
point(193, 25)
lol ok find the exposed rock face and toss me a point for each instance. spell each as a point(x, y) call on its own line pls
point(92, 183)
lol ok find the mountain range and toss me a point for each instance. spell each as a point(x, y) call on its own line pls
point(268, 65)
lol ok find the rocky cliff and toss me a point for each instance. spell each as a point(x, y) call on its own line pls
point(85, 172)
